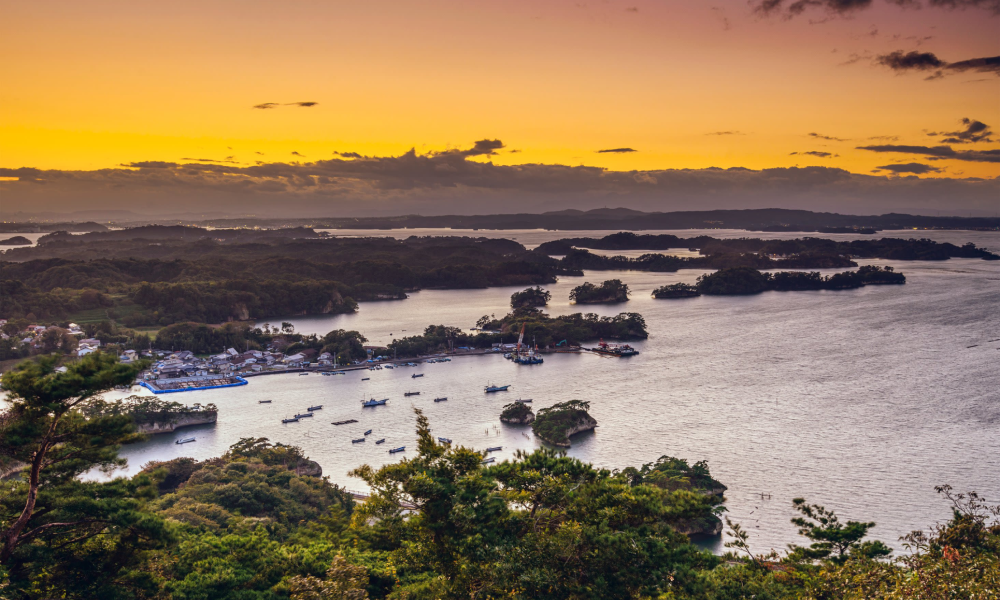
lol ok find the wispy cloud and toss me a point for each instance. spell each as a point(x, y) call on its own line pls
point(829, 138)
point(726, 133)
point(974, 131)
point(271, 105)
point(616, 150)
point(845, 8)
point(902, 62)
point(909, 168)
point(939, 152)
point(817, 153)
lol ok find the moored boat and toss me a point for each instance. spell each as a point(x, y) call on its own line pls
point(522, 400)
point(496, 388)
point(415, 375)
point(317, 407)
point(411, 393)
point(369, 432)
point(489, 461)
point(184, 440)
point(441, 399)
point(357, 440)
point(395, 450)
point(444, 440)
point(374, 402)
point(289, 420)
point(620, 350)
point(305, 415)
point(381, 441)
point(494, 449)
point(263, 402)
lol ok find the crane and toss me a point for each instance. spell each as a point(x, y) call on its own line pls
point(520, 338)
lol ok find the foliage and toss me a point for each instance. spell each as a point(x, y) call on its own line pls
point(832, 540)
point(676, 290)
point(539, 327)
point(515, 411)
point(553, 423)
point(535, 296)
point(53, 526)
point(144, 409)
point(746, 280)
point(612, 290)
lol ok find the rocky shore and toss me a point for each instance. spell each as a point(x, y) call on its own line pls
point(173, 421)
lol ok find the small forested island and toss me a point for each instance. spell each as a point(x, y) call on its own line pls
point(745, 280)
point(17, 240)
point(540, 328)
point(674, 474)
point(609, 292)
point(676, 290)
point(535, 296)
point(554, 424)
point(153, 415)
point(517, 413)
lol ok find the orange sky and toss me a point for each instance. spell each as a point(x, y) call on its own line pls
point(91, 85)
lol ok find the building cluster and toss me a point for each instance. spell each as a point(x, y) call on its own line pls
point(32, 336)
point(184, 363)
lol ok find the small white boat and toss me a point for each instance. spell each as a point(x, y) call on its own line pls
point(184, 440)
point(489, 460)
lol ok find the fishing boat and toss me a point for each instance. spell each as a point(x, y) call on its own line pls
point(347, 422)
point(494, 449)
point(444, 440)
point(389, 366)
point(184, 440)
point(395, 450)
point(496, 388)
point(415, 375)
point(620, 350)
point(304, 415)
point(381, 441)
point(366, 379)
point(374, 402)
point(289, 420)
point(489, 461)
point(301, 374)
point(357, 440)
point(528, 359)
point(522, 401)
point(317, 407)
point(369, 432)
point(411, 393)
point(441, 399)
point(263, 402)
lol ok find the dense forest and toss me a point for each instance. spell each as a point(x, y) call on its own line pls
point(258, 524)
point(744, 280)
point(538, 328)
point(610, 291)
point(888, 248)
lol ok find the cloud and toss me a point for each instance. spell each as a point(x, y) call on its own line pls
point(349, 154)
point(617, 150)
point(294, 153)
point(820, 136)
point(848, 7)
point(974, 131)
point(902, 62)
point(885, 138)
point(270, 105)
point(911, 168)
point(452, 182)
point(726, 133)
point(211, 160)
point(632, 9)
point(939, 152)
point(151, 164)
point(818, 153)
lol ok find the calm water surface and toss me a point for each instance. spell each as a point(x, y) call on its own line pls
point(861, 400)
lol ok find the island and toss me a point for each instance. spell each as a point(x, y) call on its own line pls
point(555, 424)
point(535, 296)
point(609, 292)
point(152, 415)
point(746, 280)
point(17, 240)
point(675, 474)
point(517, 413)
point(676, 290)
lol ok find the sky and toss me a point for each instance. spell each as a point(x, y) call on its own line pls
point(321, 108)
